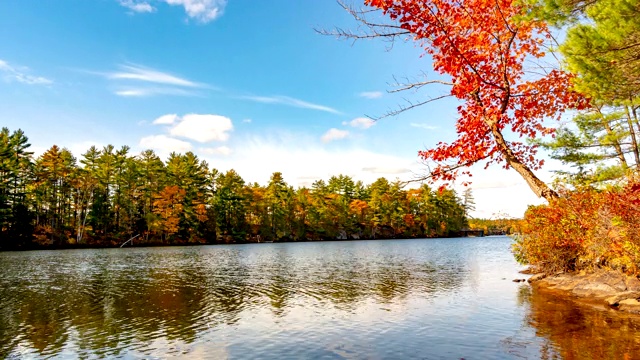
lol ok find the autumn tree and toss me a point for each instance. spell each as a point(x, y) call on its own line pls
point(168, 206)
point(482, 47)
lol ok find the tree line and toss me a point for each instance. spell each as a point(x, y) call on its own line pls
point(109, 195)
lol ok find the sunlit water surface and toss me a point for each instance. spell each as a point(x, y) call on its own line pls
point(395, 299)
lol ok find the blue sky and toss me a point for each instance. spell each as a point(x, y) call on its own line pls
point(244, 84)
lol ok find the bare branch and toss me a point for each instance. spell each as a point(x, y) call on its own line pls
point(448, 168)
point(387, 31)
point(410, 105)
point(367, 29)
point(408, 85)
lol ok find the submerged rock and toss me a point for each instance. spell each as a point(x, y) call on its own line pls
point(616, 299)
point(630, 305)
point(611, 287)
point(537, 277)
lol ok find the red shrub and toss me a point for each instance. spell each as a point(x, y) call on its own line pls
point(584, 229)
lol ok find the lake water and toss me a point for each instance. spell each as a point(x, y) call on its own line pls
point(385, 299)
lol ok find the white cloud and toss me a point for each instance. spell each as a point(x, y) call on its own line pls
point(424, 126)
point(334, 134)
point(200, 127)
point(166, 119)
point(132, 93)
point(289, 101)
point(302, 160)
point(21, 74)
point(220, 150)
point(371, 94)
point(386, 170)
point(164, 144)
point(151, 91)
point(248, 121)
point(137, 6)
point(362, 123)
point(201, 10)
point(145, 74)
point(133, 80)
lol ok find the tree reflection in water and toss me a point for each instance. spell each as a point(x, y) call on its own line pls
point(350, 299)
point(104, 303)
point(573, 330)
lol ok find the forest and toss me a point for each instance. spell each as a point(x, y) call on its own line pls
point(110, 195)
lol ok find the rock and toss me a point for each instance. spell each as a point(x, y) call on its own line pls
point(564, 282)
point(615, 300)
point(614, 279)
point(630, 305)
point(537, 277)
point(528, 271)
point(615, 288)
point(632, 283)
point(588, 288)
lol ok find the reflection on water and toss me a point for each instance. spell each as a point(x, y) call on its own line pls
point(578, 331)
point(433, 299)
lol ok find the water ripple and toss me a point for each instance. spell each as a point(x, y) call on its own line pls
point(432, 299)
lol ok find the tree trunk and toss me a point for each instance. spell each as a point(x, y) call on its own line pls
point(537, 186)
point(634, 142)
point(615, 142)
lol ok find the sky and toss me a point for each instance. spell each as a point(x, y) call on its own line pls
point(244, 84)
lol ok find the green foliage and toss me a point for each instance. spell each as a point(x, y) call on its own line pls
point(600, 145)
point(602, 50)
point(110, 195)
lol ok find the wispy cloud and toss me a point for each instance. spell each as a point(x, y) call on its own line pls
point(137, 6)
point(21, 74)
point(289, 101)
point(134, 80)
point(146, 74)
point(371, 94)
point(201, 10)
point(424, 126)
point(334, 134)
point(152, 91)
point(361, 122)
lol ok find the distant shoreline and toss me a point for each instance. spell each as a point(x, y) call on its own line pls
point(178, 244)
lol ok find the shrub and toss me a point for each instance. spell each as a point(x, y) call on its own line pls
point(583, 229)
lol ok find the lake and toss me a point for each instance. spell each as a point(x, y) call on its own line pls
point(382, 299)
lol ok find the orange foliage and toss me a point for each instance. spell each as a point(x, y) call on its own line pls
point(482, 45)
point(584, 229)
point(168, 205)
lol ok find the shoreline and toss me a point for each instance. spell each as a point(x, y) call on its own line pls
point(608, 288)
point(157, 244)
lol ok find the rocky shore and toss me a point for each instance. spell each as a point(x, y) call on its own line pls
point(612, 288)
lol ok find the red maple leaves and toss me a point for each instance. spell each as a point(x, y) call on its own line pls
point(484, 46)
